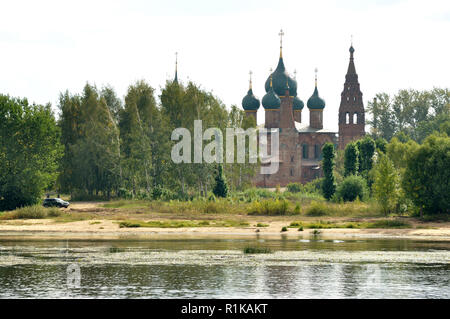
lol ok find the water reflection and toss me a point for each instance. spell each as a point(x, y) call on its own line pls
point(185, 269)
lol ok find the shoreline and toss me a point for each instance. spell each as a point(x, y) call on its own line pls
point(85, 230)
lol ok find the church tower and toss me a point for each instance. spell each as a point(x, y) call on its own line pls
point(316, 105)
point(351, 110)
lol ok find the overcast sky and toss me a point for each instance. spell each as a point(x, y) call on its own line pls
point(47, 47)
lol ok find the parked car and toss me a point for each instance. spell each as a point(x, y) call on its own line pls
point(55, 202)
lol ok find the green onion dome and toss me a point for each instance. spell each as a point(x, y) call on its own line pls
point(250, 102)
point(297, 104)
point(279, 79)
point(315, 102)
point(271, 100)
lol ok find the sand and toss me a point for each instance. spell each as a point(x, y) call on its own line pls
point(108, 229)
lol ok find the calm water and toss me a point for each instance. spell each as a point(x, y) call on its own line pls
point(208, 268)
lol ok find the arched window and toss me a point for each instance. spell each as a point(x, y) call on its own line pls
point(305, 151)
point(347, 118)
point(355, 118)
point(354, 98)
point(292, 172)
point(292, 158)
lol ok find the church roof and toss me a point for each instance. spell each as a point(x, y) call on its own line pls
point(250, 102)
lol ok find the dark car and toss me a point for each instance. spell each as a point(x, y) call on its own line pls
point(55, 202)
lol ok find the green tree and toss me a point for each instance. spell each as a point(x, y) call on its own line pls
point(221, 187)
point(30, 150)
point(329, 184)
point(386, 184)
point(426, 179)
point(414, 113)
point(351, 188)
point(367, 152)
point(351, 162)
point(91, 138)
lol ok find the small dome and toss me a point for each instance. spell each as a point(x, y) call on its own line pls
point(297, 104)
point(250, 102)
point(271, 100)
point(352, 50)
point(315, 102)
point(279, 79)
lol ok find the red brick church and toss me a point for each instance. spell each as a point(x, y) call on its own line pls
point(301, 142)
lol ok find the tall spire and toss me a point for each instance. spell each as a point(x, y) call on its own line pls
point(281, 34)
point(176, 67)
point(351, 72)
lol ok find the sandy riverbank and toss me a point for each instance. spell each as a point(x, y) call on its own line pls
point(104, 226)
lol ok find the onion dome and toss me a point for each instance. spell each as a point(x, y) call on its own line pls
point(297, 104)
point(250, 102)
point(271, 99)
point(316, 102)
point(279, 79)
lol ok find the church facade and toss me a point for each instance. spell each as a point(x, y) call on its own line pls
point(300, 143)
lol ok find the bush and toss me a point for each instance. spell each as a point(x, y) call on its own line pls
point(317, 209)
point(257, 250)
point(32, 212)
point(294, 187)
point(268, 207)
point(351, 188)
point(124, 193)
point(284, 229)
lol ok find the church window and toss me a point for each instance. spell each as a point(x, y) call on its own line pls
point(292, 159)
point(348, 99)
point(305, 151)
point(355, 118)
point(347, 118)
point(316, 151)
point(354, 98)
point(292, 172)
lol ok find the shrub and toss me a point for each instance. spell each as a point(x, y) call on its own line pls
point(268, 207)
point(317, 209)
point(284, 229)
point(257, 250)
point(294, 187)
point(351, 188)
point(387, 223)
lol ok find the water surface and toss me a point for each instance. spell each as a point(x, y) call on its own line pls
point(217, 268)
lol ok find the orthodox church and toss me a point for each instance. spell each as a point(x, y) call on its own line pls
point(300, 152)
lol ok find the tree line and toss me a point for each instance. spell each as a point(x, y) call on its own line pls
point(102, 146)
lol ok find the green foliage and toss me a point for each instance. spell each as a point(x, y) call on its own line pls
point(284, 229)
point(294, 187)
point(351, 188)
point(29, 152)
point(329, 184)
point(386, 184)
point(426, 179)
point(388, 223)
point(411, 113)
point(381, 144)
point(367, 151)
point(317, 209)
point(32, 212)
point(351, 163)
point(221, 186)
point(269, 208)
point(257, 250)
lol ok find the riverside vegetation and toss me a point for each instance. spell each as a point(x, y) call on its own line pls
point(103, 148)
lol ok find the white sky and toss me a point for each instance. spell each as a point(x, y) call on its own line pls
point(47, 46)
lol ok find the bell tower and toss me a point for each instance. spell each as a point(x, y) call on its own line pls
point(351, 111)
